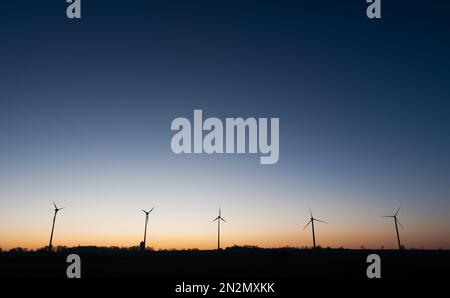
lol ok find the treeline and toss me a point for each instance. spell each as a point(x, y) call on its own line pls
point(149, 250)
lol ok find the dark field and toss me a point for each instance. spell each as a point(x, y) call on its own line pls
point(230, 263)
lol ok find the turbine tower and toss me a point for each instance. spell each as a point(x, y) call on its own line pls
point(311, 221)
point(219, 218)
point(53, 226)
point(396, 222)
point(146, 223)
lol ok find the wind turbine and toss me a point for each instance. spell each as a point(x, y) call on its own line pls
point(53, 226)
point(146, 223)
point(219, 218)
point(396, 222)
point(311, 221)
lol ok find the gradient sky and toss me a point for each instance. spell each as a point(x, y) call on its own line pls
point(86, 107)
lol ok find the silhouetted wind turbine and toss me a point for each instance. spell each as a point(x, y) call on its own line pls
point(311, 221)
point(146, 222)
point(219, 218)
point(396, 221)
point(53, 226)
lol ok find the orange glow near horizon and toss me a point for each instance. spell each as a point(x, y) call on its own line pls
point(269, 216)
point(202, 234)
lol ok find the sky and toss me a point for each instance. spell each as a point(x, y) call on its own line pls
point(86, 107)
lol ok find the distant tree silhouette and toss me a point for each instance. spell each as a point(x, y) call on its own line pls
point(18, 250)
point(61, 248)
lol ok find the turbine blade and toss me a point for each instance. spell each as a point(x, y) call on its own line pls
point(216, 218)
point(223, 219)
point(151, 209)
point(307, 224)
point(399, 223)
point(320, 221)
point(54, 204)
point(396, 213)
point(144, 211)
point(390, 216)
point(310, 212)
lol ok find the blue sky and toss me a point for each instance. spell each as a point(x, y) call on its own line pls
point(86, 108)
